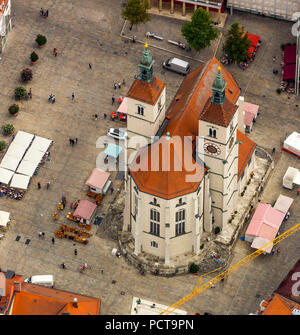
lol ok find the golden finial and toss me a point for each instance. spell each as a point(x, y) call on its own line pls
point(219, 68)
point(146, 42)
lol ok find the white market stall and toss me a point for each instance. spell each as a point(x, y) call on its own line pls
point(27, 168)
point(33, 155)
point(41, 144)
point(98, 181)
point(10, 162)
point(5, 175)
point(292, 144)
point(22, 138)
point(289, 177)
point(4, 219)
point(16, 150)
point(283, 203)
point(259, 242)
point(20, 181)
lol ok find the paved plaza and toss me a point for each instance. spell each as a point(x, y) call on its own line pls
point(89, 32)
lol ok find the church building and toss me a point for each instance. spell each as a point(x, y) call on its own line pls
point(187, 177)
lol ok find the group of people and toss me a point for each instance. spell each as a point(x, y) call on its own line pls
point(47, 185)
point(73, 141)
point(44, 13)
point(51, 98)
point(11, 192)
point(116, 85)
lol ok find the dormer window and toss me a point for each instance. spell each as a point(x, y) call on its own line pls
point(140, 110)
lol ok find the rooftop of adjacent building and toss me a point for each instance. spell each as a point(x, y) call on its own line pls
point(279, 305)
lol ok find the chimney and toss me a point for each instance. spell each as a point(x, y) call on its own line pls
point(17, 286)
point(75, 303)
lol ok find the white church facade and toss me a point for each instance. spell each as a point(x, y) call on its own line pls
point(167, 208)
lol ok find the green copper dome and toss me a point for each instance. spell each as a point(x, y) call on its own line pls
point(146, 66)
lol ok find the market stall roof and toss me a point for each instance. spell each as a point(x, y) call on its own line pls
point(16, 150)
point(251, 111)
point(22, 138)
point(123, 107)
point(113, 150)
point(265, 222)
point(289, 71)
point(259, 242)
point(98, 178)
point(296, 179)
point(283, 203)
point(254, 39)
point(27, 168)
point(20, 181)
point(290, 52)
point(292, 143)
point(5, 175)
point(10, 162)
point(33, 155)
point(85, 209)
point(4, 218)
point(41, 144)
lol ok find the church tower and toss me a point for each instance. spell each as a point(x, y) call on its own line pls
point(219, 149)
point(146, 101)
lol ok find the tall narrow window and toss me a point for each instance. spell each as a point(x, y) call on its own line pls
point(154, 222)
point(214, 133)
point(135, 205)
point(180, 222)
point(210, 132)
point(140, 110)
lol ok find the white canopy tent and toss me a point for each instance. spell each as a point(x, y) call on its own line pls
point(259, 242)
point(33, 155)
point(20, 181)
point(41, 144)
point(22, 138)
point(5, 175)
point(292, 144)
point(4, 219)
point(27, 168)
point(10, 162)
point(283, 203)
point(16, 150)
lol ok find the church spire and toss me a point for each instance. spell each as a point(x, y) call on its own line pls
point(146, 65)
point(218, 89)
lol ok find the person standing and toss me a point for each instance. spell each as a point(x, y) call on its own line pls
point(105, 115)
point(70, 141)
point(112, 100)
point(115, 86)
point(39, 185)
point(73, 96)
point(90, 65)
point(53, 240)
point(123, 82)
point(42, 12)
point(48, 185)
point(111, 190)
point(298, 192)
point(75, 252)
point(47, 13)
point(119, 84)
point(71, 205)
point(96, 117)
point(30, 94)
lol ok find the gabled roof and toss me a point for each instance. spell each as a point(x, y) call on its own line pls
point(85, 209)
point(278, 305)
point(246, 149)
point(146, 92)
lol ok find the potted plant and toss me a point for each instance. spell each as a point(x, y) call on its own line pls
point(2, 146)
point(26, 75)
point(20, 92)
point(194, 268)
point(34, 57)
point(41, 40)
point(8, 129)
point(14, 109)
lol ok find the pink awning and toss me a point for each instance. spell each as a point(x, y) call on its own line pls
point(123, 107)
point(85, 209)
point(251, 111)
point(98, 178)
point(265, 222)
point(289, 71)
point(290, 52)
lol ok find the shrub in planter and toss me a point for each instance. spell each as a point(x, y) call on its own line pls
point(41, 40)
point(193, 268)
point(217, 230)
point(278, 91)
point(8, 129)
point(13, 109)
point(26, 74)
point(2, 145)
point(20, 92)
point(34, 57)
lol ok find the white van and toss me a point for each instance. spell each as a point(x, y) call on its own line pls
point(43, 280)
point(177, 65)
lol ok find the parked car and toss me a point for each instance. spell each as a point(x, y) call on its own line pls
point(117, 133)
point(43, 280)
point(177, 65)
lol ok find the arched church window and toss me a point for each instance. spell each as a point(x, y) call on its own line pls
point(214, 133)
point(140, 110)
point(210, 132)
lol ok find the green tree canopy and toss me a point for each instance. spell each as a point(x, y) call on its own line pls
point(136, 12)
point(237, 43)
point(200, 31)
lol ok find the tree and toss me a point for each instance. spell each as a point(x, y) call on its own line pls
point(237, 43)
point(136, 12)
point(26, 74)
point(200, 31)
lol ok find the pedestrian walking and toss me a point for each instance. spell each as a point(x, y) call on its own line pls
point(111, 190)
point(30, 94)
point(40, 234)
point(43, 234)
point(70, 141)
point(123, 82)
point(42, 12)
point(90, 65)
point(115, 86)
point(75, 252)
point(50, 96)
point(53, 100)
point(105, 115)
point(272, 252)
point(73, 96)
point(96, 117)
point(47, 13)
point(134, 77)
point(278, 251)
point(53, 240)
point(63, 265)
point(48, 185)
point(298, 192)
point(102, 271)
point(39, 185)
point(112, 100)
point(71, 205)
point(55, 52)
point(76, 140)
point(119, 84)
point(63, 200)
point(273, 151)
